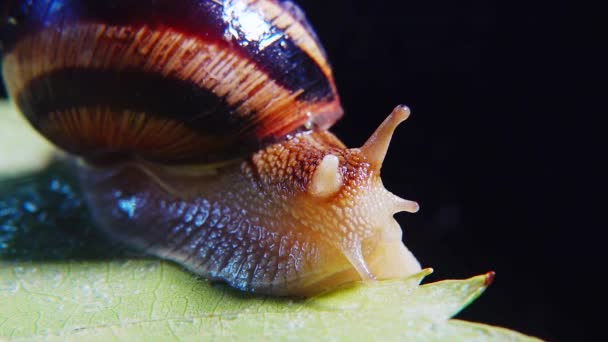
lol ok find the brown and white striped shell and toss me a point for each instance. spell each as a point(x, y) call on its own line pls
point(168, 81)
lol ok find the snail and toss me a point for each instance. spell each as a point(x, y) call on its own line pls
point(201, 133)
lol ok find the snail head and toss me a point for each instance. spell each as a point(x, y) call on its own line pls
point(343, 201)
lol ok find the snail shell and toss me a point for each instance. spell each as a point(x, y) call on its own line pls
point(202, 130)
point(170, 81)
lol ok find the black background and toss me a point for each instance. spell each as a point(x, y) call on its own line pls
point(499, 151)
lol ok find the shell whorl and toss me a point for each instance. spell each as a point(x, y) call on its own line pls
point(170, 81)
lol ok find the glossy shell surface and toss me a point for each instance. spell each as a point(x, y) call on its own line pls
point(169, 81)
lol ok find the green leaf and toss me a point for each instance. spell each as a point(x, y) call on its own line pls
point(60, 279)
point(142, 299)
point(21, 149)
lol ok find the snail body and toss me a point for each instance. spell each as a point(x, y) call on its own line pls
point(201, 131)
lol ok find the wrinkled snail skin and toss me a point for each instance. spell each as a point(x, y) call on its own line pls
point(262, 224)
point(201, 130)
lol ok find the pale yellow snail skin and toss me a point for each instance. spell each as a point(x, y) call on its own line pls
point(296, 218)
